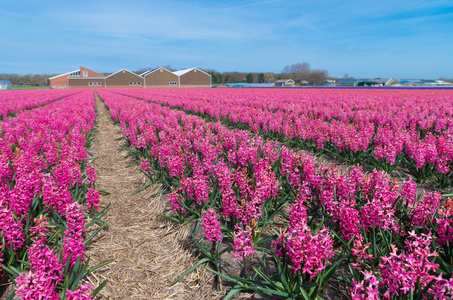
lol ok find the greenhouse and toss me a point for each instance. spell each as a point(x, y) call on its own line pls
point(6, 85)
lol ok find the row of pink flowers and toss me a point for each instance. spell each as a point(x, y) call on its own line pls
point(14, 101)
point(42, 159)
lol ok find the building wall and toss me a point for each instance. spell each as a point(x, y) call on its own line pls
point(158, 78)
point(61, 81)
point(195, 78)
point(123, 78)
point(124, 86)
point(76, 83)
point(196, 86)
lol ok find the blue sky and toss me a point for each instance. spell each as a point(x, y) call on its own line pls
point(399, 39)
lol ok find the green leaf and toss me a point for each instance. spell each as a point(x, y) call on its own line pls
point(200, 262)
point(104, 192)
point(11, 270)
point(98, 266)
point(341, 278)
point(98, 216)
point(304, 293)
point(233, 292)
point(142, 188)
point(94, 234)
point(99, 288)
point(170, 218)
point(267, 279)
point(11, 296)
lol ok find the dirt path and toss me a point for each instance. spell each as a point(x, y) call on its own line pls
point(148, 251)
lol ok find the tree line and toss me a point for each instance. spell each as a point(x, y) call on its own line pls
point(299, 72)
point(29, 79)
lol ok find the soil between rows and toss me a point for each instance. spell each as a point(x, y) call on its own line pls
point(149, 251)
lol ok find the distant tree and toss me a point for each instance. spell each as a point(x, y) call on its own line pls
point(220, 77)
point(298, 67)
point(268, 76)
point(261, 78)
point(249, 78)
point(226, 78)
point(316, 77)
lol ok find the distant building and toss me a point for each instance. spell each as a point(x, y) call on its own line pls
point(329, 82)
point(61, 81)
point(193, 77)
point(160, 77)
point(247, 84)
point(6, 85)
point(285, 82)
point(353, 82)
point(124, 79)
point(348, 82)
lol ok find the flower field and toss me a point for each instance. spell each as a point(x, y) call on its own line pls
point(394, 242)
point(229, 162)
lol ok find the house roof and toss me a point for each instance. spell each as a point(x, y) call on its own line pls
point(151, 71)
point(86, 77)
point(121, 71)
point(284, 80)
point(182, 72)
point(68, 73)
point(350, 80)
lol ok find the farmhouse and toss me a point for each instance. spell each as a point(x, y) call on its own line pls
point(285, 82)
point(365, 82)
point(62, 81)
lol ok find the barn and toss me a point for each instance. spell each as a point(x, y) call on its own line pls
point(124, 79)
point(62, 81)
point(193, 77)
point(160, 77)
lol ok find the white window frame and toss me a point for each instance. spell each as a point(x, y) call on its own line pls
point(130, 82)
point(85, 73)
point(90, 83)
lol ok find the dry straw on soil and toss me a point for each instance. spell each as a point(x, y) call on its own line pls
point(149, 252)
